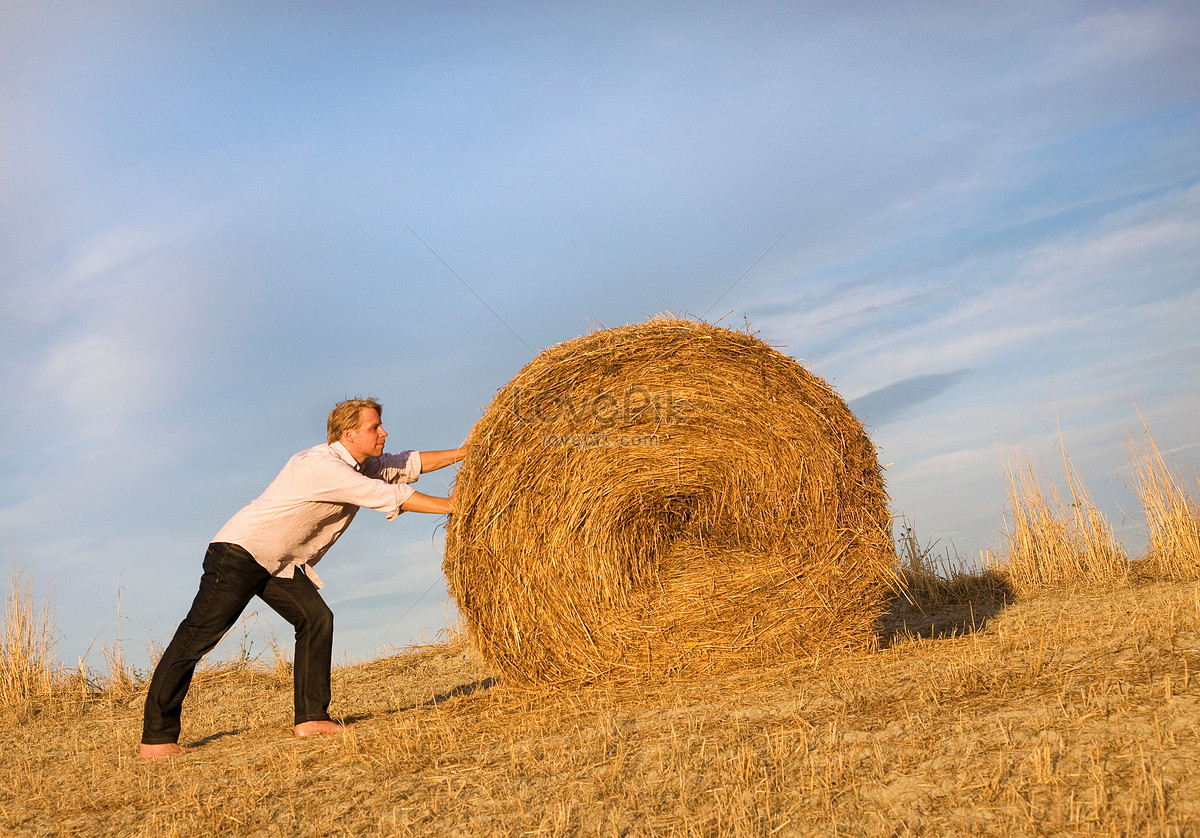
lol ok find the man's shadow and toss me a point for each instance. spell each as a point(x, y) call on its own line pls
point(461, 691)
point(213, 737)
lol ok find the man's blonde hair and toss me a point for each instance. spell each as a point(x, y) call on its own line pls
point(345, 416)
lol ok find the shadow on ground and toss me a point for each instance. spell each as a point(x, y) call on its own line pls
point(213, 737)
point(461, 691)
point(928, 618)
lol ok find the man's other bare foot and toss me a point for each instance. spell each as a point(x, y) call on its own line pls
point(169, 749)
point(319, 727)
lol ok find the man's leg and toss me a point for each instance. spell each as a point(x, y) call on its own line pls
point(299, 602)
point(230, 580)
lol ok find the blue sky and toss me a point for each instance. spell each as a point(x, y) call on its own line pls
point(979, 222)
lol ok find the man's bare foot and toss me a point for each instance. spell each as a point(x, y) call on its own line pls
point(169, 749)
point(318, 727)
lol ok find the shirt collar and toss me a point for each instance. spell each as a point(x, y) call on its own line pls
point(341, 451)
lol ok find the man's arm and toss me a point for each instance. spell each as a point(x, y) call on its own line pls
point(433, 460)
point(420, 502)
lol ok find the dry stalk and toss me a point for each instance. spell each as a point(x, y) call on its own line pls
point(1172, 514)
point(31, 680)
point(1051, 541)
point(25, 658)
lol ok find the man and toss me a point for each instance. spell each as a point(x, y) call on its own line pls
point(270, 548)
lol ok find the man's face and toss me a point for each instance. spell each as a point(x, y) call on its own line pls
point(367, 439)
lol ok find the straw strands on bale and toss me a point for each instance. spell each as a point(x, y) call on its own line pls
point(666, 498)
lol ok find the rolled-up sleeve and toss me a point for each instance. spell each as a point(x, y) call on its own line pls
point(404, 467)
point(337, 482)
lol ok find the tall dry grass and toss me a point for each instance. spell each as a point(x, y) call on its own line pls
point(1172, 514)
point(1054, 538)
point(29, 675)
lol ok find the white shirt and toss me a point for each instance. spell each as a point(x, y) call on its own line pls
point(312, 501)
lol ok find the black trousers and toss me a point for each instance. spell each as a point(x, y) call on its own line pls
point(231, 579)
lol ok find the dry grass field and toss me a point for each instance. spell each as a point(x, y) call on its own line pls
point(1056, 699)
point(1075, 712)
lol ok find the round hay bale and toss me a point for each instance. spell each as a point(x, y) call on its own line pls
point(666, 498)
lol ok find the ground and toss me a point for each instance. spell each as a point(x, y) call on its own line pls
point(1068, 712)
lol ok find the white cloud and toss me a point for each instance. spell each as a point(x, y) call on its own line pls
point(1116, 38)
point(1097, 286)
point(820, 315)
point(1140, 242)
point(102, 378)
point(106, 334)
point(111, 271)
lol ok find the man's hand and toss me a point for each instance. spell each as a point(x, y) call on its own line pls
point(470, 435)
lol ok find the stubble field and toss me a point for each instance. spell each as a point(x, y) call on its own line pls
point(1070, 711)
